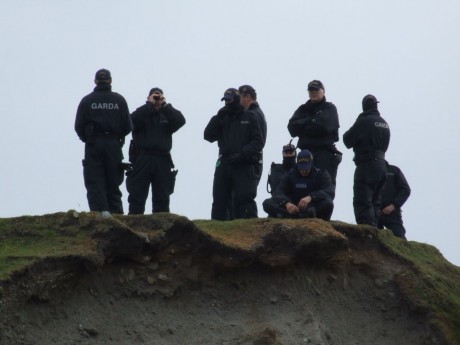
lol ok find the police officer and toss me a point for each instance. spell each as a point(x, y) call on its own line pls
point(304, 192)
point(395, 193)
point(369, 137)
point(239, 137)
point(154, 124)
point(316, 123)
point(102, 122)
point(277, 170)
point(248, 99)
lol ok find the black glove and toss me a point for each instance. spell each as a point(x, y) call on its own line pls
point(235, 158)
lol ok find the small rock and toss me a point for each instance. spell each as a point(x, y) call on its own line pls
point(163, 277)
point(131, 275)
point(153, 266)
point(92, 292)
point(380, 282)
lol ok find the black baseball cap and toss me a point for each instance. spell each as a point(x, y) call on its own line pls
point(289, 147)
point(230, 93)
point(369, 102)
point(315, 85)
point(103, 74)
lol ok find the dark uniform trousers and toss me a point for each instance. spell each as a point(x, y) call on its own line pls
point(323, 209)
point(369, 180)
point(149, 170)
point(239, 181)
point(394, 222)
point(325, 158)
point(103, 174)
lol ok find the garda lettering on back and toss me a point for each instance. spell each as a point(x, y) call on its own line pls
point(109, 106)
point(381, 124)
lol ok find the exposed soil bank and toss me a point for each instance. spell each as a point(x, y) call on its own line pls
point(160, 280)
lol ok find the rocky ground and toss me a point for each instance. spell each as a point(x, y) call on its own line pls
point(170, 283)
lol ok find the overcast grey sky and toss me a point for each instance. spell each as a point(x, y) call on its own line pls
point(406, 53)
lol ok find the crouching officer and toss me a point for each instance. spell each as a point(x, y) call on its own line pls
point(239, 137)
point(154, 124)
point(369, 137)
point(102, 122)
point(395, 193)
point(304, 192)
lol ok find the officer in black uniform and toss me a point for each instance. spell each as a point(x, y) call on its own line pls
point(154, 124)
point(316, 123)
point(278, 170)
point(248, 99)
point(395, 193)
point(304, 192)
point(102, 122)
point(369, 137)
point(239, 137)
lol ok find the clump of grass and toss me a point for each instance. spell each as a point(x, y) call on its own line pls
point(24, 240)
point(241, 233)
point(436, 287)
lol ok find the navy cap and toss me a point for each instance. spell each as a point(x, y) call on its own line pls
point(304, 160)
point(248, 89)
point(230, 93)
point(315, 85)
point(103, 74)
point(155, 90)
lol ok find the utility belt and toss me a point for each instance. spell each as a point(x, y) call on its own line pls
point(152, 152)
point(369, 156)
point(106, 135)
point(254, 159)
point(324, 148)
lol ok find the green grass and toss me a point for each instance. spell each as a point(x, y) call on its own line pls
point(436, 287)
point(23, 240)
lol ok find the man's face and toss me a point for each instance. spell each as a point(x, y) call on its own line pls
point(245, 100)
point(288, 153)
point(316, 95)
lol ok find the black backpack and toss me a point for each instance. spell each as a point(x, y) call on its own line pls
point(275, 175)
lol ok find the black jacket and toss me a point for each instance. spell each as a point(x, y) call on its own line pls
point(293, 186)
point(102, 111)
point(153, 129)
point(396, 190)
point(255, 108)
point(316, 125)
point(370, 134)
point(236, 132)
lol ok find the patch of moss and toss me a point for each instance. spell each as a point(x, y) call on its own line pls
point(240, 233)
point(26, 239)
point(436, 287)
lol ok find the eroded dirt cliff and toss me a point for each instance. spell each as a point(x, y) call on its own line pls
point(166, 280)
